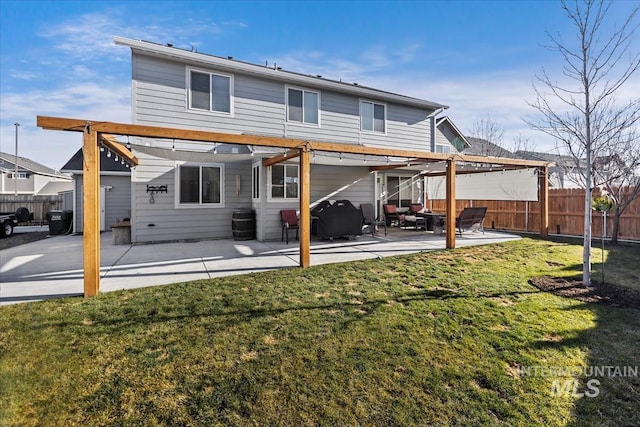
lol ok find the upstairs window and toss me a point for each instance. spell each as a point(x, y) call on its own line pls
point(302, 106)
point(209, 92)
point(372, 117)
point(21, 175)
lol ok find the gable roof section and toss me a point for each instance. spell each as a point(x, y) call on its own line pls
point(460, 141)
point(28, 165)
point(482, 147)
point(232, 65)
point(74, 164)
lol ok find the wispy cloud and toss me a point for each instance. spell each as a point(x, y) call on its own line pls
point(83, 74)
point(373, 60)
point(235, 24)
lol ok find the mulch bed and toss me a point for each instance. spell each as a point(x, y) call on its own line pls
point(598, 293)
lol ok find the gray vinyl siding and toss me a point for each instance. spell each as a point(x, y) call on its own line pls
point(325, 180)
point(117, 200)
point(25, 186)
point(160, 98)
point(171, 223)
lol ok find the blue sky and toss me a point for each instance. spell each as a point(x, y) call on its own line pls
point(479, 57)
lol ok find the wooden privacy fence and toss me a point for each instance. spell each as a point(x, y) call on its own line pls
point(39, 205)
point(566, 215)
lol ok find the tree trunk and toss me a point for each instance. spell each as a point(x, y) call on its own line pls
point(586, 246)
point(616, 225)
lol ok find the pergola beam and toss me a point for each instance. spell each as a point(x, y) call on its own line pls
point(91, 211)
point(145, 131)
point(305, 212)
point(114, 145)
point(451, 205)
point(280, 158)
point(96, 133)
point(543, 197)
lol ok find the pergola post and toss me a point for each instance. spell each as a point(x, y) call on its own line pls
point(451, 204)
point(91, 211)
point(305, 213)
point(543, 197)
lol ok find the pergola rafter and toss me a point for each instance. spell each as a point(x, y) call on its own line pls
point(98, 132)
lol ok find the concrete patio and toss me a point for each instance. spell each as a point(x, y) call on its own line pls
point(53, 268)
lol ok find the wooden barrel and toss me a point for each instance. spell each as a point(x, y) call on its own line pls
point(243, 225)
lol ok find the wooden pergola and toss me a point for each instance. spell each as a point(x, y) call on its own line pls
point(97, 133)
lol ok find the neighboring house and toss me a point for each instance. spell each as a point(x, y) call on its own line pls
point(115, 191)
point(189, 190)
point(482, 147)
point(565, 174)
point(448, 138)
point(33, 178)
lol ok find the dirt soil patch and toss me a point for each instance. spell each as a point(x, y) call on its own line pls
point(598, 293)
point(18, 239)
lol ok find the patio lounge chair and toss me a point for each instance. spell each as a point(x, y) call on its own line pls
point(289, 219)
point(471, 218)
point(369, 219)
point(391, 215)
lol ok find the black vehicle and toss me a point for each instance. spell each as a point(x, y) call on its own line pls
point(9, 220)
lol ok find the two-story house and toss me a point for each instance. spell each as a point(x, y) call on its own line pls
point(202, 184)
point(32, 178)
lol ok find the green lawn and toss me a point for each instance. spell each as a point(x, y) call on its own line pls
point(436, 338)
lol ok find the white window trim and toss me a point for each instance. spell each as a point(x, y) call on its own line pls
point(256, 168)
point(286, 102)
point(412, 179)
point(272, 199)
point(210, 112)
point(386, 123)
point(448, 146)
point(176, 181)
point(21, 175)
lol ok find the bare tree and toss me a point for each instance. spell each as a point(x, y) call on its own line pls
point(490, 131)
point(581, 113)
point(522, 143)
